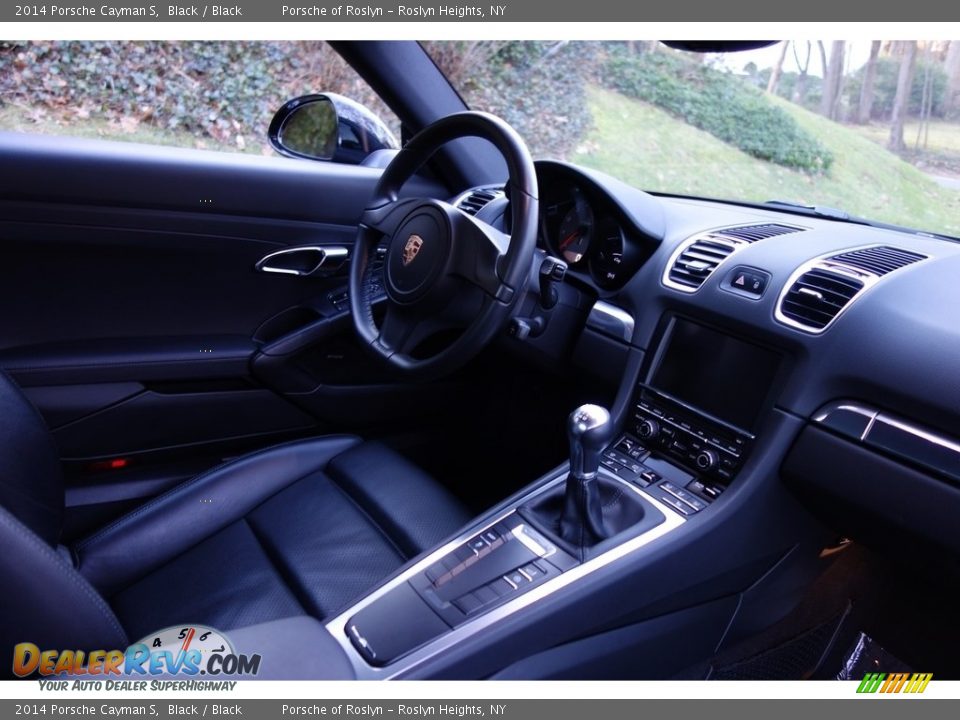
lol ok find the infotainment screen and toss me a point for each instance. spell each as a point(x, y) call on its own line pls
point(721, 375)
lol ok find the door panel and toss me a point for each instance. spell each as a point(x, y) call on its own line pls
point(134, 307)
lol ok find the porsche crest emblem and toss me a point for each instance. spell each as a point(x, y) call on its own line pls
point(412, 247)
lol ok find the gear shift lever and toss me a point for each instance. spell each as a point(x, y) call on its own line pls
point(589, 430)
point(590, 508)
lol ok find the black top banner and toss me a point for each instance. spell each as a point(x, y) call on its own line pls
point(538, 11)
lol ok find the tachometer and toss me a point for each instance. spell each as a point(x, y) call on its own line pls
point(576, 232)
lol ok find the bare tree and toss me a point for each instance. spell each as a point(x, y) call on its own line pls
point(823, 58)
point(865, 106)
point(800, 88)
point(952, 67)
point(832, 76)
point(777, 69)
point(926, 98)
point(902, 98)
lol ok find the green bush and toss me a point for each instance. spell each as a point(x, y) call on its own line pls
point(719, 103)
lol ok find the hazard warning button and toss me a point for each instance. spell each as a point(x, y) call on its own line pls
point(748, 281)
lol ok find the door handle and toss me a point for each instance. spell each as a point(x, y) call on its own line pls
point(304, 260)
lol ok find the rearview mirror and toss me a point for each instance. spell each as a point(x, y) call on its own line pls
point(328, 126)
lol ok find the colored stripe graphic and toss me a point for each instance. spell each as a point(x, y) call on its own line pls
point(894, 683)
point(871, 682)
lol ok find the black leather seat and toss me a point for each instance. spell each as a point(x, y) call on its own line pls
point(298, 529)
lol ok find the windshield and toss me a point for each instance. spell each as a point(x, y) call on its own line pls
point(871, 128)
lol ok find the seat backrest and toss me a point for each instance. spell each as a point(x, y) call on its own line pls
point(44, 600)
point(31, 484)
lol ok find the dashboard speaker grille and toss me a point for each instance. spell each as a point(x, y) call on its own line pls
point(752, 233)
point(879, 260)
point(818, 296)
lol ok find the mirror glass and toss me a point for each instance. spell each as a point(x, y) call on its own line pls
point(311, 130)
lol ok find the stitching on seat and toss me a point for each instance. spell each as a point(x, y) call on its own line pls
point(277, 566)
point(71, 573)
point(363, 511)
point(185, 486)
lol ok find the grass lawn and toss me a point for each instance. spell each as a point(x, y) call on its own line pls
point(941, 155)
point(646, 147)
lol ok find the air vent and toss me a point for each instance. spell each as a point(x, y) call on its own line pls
point(692, 262)
point(817, 297)
point(475, 200)
point(694, 265)
point(878, 260)
point(820, 289)
point(752, 233)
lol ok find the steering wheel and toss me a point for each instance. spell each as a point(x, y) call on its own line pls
point(443, 268)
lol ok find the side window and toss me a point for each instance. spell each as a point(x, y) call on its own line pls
point(215, 95)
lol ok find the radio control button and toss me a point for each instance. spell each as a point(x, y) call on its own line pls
point(707, 460)
point(648, 429)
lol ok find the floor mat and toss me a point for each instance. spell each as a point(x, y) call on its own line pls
point(907, 612)
point(796, 659)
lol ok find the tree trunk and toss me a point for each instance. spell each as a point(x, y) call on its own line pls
point(800, 89)
point(901, 101)
point(952, 67)
point(832, 76)
point(865, 106)
point(777, 69)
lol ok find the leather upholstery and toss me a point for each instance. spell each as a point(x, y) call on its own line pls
point(45, 600)
point(304, 528)
point(167, 526)
point(31, 486)
point(296, 530)
point(406, 506)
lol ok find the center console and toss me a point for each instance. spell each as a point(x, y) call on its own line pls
point(688, 429)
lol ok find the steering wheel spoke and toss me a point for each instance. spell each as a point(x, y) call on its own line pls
point(386, 218)
point(477, 254)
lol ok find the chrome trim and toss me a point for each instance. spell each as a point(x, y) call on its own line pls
point(877, 416)
point(530, 543)
point(823, 262)
point(611, 320)
point(841, 406)
point(929, 437)
point(338, 626)
point(332, 258)
point(715, 235)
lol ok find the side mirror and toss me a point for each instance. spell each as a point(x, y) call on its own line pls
point(328, 126)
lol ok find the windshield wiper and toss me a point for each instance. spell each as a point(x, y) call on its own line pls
point(820, 211)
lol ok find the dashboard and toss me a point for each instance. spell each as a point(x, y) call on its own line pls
point(745, 316)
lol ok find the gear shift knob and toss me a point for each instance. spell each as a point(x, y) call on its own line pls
point(589, 430)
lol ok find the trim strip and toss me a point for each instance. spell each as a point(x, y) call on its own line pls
point(877, 419)
point(611, 320)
